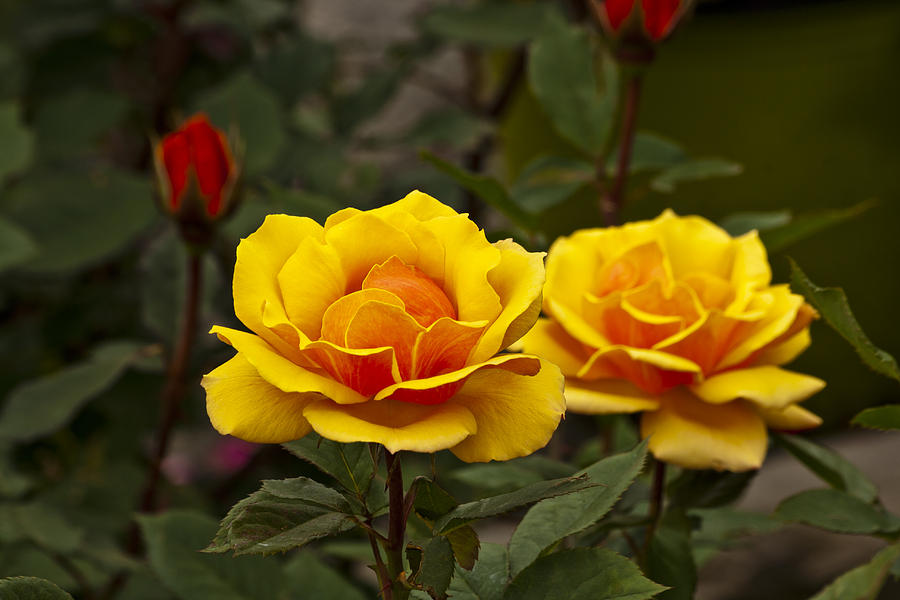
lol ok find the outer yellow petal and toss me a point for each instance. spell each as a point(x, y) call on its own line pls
point(549, 340)
point(468, 259)
point(281, 372)
point(607, 396)
point(260, 257)
point(395, 425)
point(766, 386)
point(792, 418)
point(519, 363)
point(516, 414)
point(418, 204)
point(751, 263)
point(364, 240)
point(310, 281)
point(571, 267)
point(245, 405)
point(694, 244)
point(518, 281)
point(786, 351)
point(573, 322)
point(663, 360)
point(693, 434)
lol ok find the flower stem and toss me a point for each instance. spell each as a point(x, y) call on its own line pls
point(396, 528)
point(612, 200)
point(657, 500)
point(173, 391)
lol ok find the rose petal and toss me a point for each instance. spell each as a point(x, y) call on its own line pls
point(791, 418)
point(767, 386)
point(365, 370)
point(364, 240)
point(690, 433)
point(245, 405)
point(516, 414)
point(607, 396)
point(395, 425)
point(549, 340)
point(310, 281)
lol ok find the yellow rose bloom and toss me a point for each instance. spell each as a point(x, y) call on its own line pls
point(676, 319)
point(384, 326)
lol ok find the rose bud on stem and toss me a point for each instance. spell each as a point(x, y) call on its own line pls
point(634, 28)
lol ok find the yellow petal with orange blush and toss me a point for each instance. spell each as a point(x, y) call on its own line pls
point(693, 434)
point(574, 321)
point(420, 390)
point(786, 351)
point(549, 340)
point(445, 346)
point(518, 280)
point(792, 418)
point(752, 336)
point(516, 414)
point(597, 365)
point(281, 372)
point(468, 257)
point(395, 425)
point(260, 257)
point(766, 386)
point(364, 370)
point(363, 240)
point(338, 316)
point(378, 324)
point(607, 397)
point(423, 299)
point(310, 281)
point(571, 266)
point(243, 404)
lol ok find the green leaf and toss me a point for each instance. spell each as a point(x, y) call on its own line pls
point(449, 127)
point(485, 187)
point(351, 464)
point(835, 310)
point(41, 524)
point(308, 577)
point(551, 520)
point(263, 523)
point(649, 152)
point(670, 560)
point(16, 246)
point(863, 582)
point(494, 25)
point(562, 76)
point(303, 488)
point(695, 169)
point(803, 226)
point(837, 511)
point(244, 105)
point(39, 407)
point(174, 540)
point(63, 212)
point(431, 503)
point(707, 488)
point(512, 474)
point(70, 124)
point(276, 199)
point(488, 578)
point(831, 467)
point(723, 526)
point(436, 568)
point(16, 141)
point(31, 588)
point(497, 505)
point(548, 181)
point(582, 574)
point(743, 222)
point(880, 417)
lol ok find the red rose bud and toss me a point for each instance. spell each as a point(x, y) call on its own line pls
point(196, 171)
point(650, 19)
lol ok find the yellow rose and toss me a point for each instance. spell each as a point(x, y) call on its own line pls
point(384, 326)
point(676, 319)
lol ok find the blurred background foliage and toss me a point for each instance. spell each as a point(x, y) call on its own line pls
point(779, 107)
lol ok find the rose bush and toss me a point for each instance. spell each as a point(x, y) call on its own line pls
point(676, 319)
point(384, 326)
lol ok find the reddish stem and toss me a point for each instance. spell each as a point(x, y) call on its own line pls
point(612, 201)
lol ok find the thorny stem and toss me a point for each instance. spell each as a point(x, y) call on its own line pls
point(384, 579)
point(396, 528)
point(611, 201)
point(657, 493)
